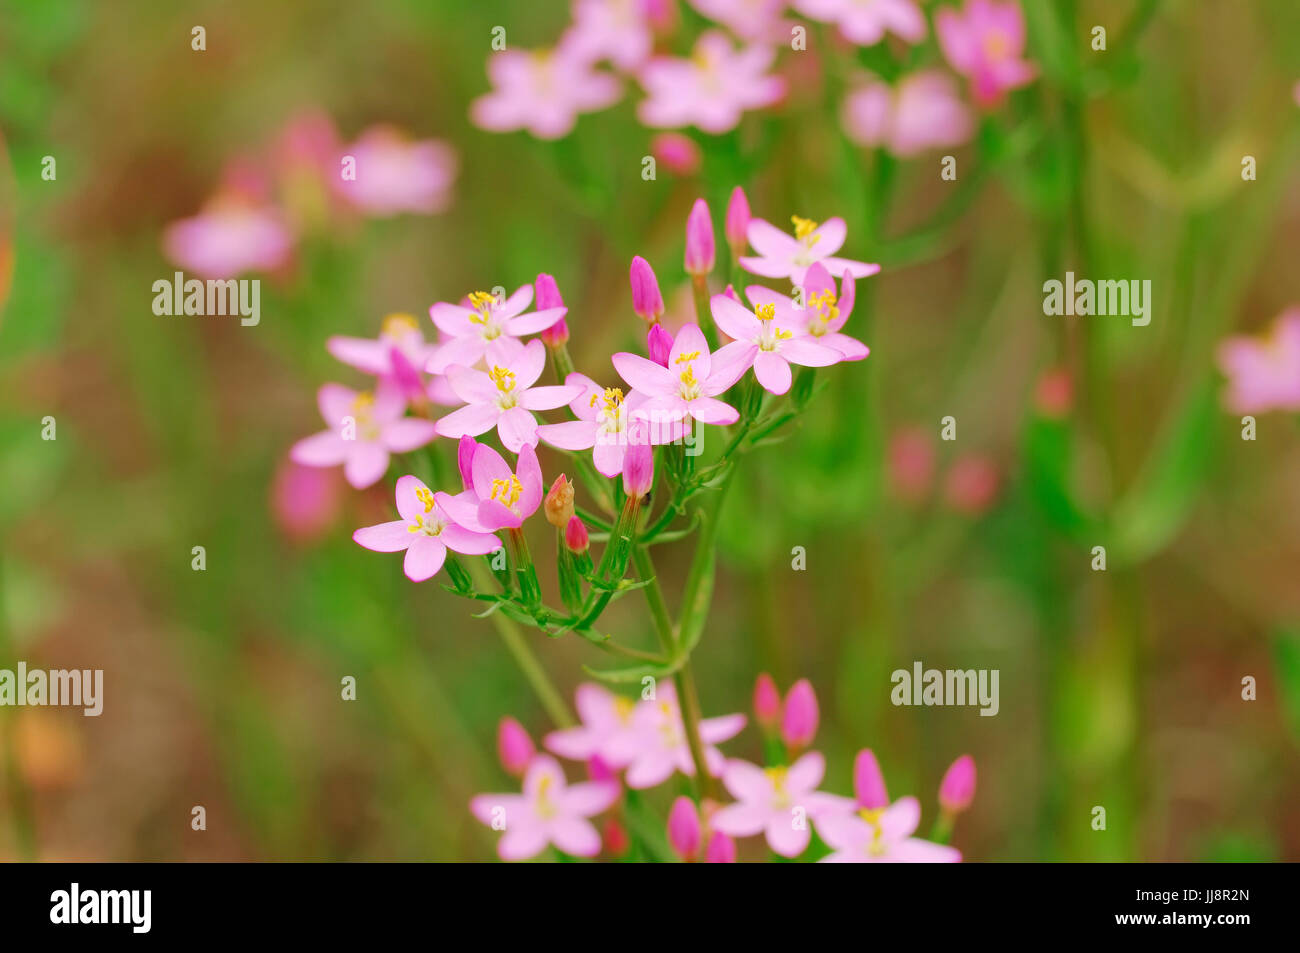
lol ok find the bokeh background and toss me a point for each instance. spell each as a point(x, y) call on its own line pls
point(1119, 688)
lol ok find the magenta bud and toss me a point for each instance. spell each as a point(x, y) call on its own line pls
point(514, 747)
point(957, 789)
point(799, 721)
point(547, 293)
point(767, 701)
point(556, 335)
point(465, 460)
point(659, 344)
point(721, 849)
point(730, 292)
point(737, 221)
point(638, 463)
point(647, 301)
point(575, 536)
point(598, 770)
point(684, 828)
point(700, 254)
point(868, 782)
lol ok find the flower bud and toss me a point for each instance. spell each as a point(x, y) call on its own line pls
point(868, 782)
point(638, 464)
point(514, 747)
point(799, 721)
point(767, 702)
point(737, 221)
point(684, 828)
point(559, 503)
point(957, 789)
point(575, 536)
point(465, 460)
point(721, 849)
point(679, 153)
point(700, 253)
point(548, 296)
point(647, 301)
point(598, 770)
point(659, 344)
point(615, 838)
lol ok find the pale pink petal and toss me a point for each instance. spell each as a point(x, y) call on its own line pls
point(324, 449)
point(913, 850)
point(746, 782)
point(534, 322)
point(734, 319)
point(773, 372)
point(472, 419)
point(466, 351)
point(407, 434)
point(384, 537)
point(471, 386)
point(901, 818)
point(549, 397)
point(462, 540)
point(643, 374)
point(785, 836)
point(710, 410)
point(517, 428)
point(740, 820)
point(522, 842)
point(809, 353)
point(365, 465)
point(589, 797)
point(424, 558)
point(575, 836)
point(769, 241)
point(722, 728)
point(690, 340)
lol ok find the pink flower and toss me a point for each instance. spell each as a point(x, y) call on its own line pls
point(305, 500)
point(972, 484)
point(514, 747)
point(659, 345)
point(486, 329)
point(399, 353)
point(550, 811)
point(883, 835)
point(425, 532)
point(776, 347)
point(504, 397)
point(753, 20)
point(957, 789)
point(684, 828)
point(864, 22)
point(395, 175)
point(505, 498)
point(800, 715)
point(638, 464)
point(721, 849)
point(767, 701)
point(605, 717)
point(1264, 374)
point(655, 746)
point(228, 237)
point(678, 152)
point(700, 246)
point(542, 91)
point(737, 224)
point(693, 379)
point(712, 89)
point(364, 428)
point(922, 112)
point(778, 802)
point(783, 256)
point(911, 463)
point(614, 30)
point(868, 781)
point(984, 42)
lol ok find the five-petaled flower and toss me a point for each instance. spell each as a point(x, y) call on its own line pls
point(823, 313)
point(689, 385)
point(778, 802)
point(604, 415)
point(779, 342)
point(543, 91)
point(712, 89)
point(984, 42)
point(785, 256)
point(486, 329)
point(655, 745)
point(881, 835)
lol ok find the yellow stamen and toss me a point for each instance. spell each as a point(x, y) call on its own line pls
point(623, 707)
point(872, 817)
point(507, 492)
point(481, 302)
point(687, 356)
point(766, 312)
point(425, 496)
point(803, 229)
point(363, 401)
point(688, 376)
point(397, 325)
point(503, 378)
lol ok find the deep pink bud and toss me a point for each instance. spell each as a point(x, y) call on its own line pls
point(721, 849)
point(767, 701)
point(575, 536)
point(684, 828)
point(465, 460)
point(659, 344)
point(647, 301)
point(514, 747)
point(548, 296)
point(737, 221)
point(957, 789)
point(615, 838)
point(868, 782)
point(700, 253)
point(730, 292)
point(799, 722)
point(638, 463)
point(598, 770)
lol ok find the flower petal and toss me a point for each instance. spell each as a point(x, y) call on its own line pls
point(384, 537)
point(424, 558)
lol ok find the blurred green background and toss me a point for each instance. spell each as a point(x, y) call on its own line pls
point(1119, 688)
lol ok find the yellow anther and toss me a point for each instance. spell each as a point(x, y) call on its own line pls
point(425, 496)
point(613, 397)
point(397, 325)
point(688, 376)
point(766, 312)
point(507, 492)
point(781, 334)
point(824, 305)
point(777, 776)
point(686, 356)
point(503, 377)
point(363, 401)
point(623, 707)
point(803, 228)
point(872, 817)
point(481, 301)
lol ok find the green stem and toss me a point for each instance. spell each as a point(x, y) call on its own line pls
point(703, 310)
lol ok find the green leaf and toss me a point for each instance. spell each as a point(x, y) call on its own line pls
point(634, 673)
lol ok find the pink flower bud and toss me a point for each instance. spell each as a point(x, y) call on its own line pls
point(957, 789)
point(557, 335)
point(699, 240)
point(559, 503)
point(799, 721)
point(684, 828)
point(679, 153)
point(721, 849)
point(615, 838)
point(638, 463)
point(767, 701)
point(598, 770)
point(1053, 394)
point(972, 484)
point(647, 301)
point(575, 536)
point(514, 747)
point(659, 344)
point(868, 782)
point(548, 296)
point(465, 459)
point(730, 292)
point(737, 221)
point(911, 464)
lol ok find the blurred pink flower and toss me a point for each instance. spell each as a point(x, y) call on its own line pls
point(305, 155)
point(753, 20)
point(395, 174)
point(701, 247)
point(425, 532)
point(604, 415)
point(684, 828)
point(550, 811)
point(486, 330)
point(542, 91)
point(911, 459)
point(737, 221)
point(399, 353)
point(656, 746)
point(864, 22)
point(364, 428)
point(504, 397)
point(972, 484)
point(677, 151)
point(712, 89)
point(1264, 373)
point(790, 256)
point(693, 379)
point(514, 747)
point(647, 301)
point(799, 716)
point(1054, 393)
point(767, 702)
point(822, 315)
point(984, 42)
point(605, 717)
point(614, 30)
point(883, 835)
point(957, 789)
point(721, 849)
point(231, 235)
point(305, 500)
point(775, 345)
point(868, 781)
point(777, 802)
point(924, 111)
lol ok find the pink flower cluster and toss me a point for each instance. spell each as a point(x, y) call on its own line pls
point(307, 179)
point(640, 744)
point(729, 70)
